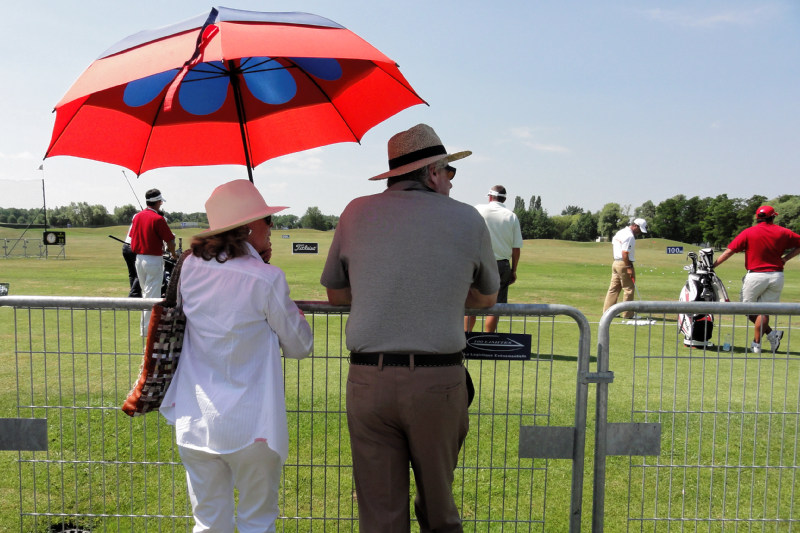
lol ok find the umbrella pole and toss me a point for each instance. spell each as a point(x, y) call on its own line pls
point(237, 95)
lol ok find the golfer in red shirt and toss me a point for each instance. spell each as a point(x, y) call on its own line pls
point(764, 246)
point(149, 232)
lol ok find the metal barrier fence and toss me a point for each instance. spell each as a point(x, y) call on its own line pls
point(29, 248)
point(87, 466)
point(22, 248)
point(720, 424)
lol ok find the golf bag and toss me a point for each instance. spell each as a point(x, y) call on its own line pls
point(169, 266)
point(703, 285)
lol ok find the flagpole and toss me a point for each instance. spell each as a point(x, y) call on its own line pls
point(44, 206)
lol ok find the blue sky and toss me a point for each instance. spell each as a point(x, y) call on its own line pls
point(579, 102)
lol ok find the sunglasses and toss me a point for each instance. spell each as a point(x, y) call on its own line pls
point(451, 170)
point(268, 220)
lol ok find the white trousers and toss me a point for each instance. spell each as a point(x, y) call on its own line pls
point(255, 471)
point(150, 269)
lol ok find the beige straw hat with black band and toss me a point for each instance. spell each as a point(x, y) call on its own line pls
point(235, 204)
point(416, 148)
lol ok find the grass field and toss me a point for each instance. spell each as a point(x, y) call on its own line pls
point(563, 272)
point(574, 274)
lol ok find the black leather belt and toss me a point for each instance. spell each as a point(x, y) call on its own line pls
point(406, 359)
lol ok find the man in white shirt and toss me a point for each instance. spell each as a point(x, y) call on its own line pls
point(623, 275)
point(506, 236)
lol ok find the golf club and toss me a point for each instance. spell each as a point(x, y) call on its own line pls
point(636, 317)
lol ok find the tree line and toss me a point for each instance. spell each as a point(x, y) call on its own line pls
point(82, 214)
point(714, 221)
point(691, 220)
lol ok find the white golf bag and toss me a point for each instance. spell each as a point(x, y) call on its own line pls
point(703, 285)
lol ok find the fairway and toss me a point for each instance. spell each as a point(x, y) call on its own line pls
point(551, 272)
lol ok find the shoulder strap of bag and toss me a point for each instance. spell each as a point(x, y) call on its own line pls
point(171, 298)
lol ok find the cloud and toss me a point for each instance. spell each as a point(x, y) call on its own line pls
point(554, 148)
point(526, 136)
point(729, 17)
point(25, 156)
point(307, 162)
point(523, 132)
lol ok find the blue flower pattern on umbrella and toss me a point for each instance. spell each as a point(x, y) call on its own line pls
point(205, 87)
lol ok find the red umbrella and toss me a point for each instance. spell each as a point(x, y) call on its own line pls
point(230, 87)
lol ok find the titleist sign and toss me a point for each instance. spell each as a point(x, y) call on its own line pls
point(305, 248)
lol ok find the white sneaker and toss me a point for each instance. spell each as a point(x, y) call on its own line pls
point(755, 347)
point(774, 337)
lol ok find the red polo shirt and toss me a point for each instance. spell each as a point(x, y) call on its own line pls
point(763, 246)
point(149, 232)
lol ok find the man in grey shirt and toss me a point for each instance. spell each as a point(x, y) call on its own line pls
point(408, 260)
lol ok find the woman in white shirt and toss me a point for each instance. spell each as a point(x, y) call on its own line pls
point(227, 399)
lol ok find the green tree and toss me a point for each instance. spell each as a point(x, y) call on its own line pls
point(174, 217)
point(610, 220)
point(314, 219)
point(286, 221)
point(692, 215)
point(331, 221)
point(721, 220)
point(539, 226)
point(59, 217)
point(100, 216)
point(123, 215)
point(81, 214)
point(561, 224)
point(646, 211)
point(747, 211)
point(534, 222)
point(788, 208)
point(667, 222)
point(583, 228)
point(572, 210)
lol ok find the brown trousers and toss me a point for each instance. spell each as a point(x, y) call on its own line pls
point(620, 281)
point(399, 417)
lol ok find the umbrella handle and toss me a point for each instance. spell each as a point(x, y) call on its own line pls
point(208, 33)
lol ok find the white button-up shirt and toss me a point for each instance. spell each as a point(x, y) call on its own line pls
point(228, 389)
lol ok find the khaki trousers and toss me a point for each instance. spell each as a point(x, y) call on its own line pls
point(620, 281)
point(398, 417)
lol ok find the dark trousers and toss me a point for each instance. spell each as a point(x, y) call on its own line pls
point(133, 278)
point(398, 416)
point(504, 269)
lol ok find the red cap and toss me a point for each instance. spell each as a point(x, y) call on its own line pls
point(765, 211)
